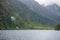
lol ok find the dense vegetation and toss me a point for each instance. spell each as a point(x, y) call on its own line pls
point(16, 15)
point(57, 27)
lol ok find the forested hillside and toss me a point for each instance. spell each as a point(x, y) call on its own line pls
point(16, 15)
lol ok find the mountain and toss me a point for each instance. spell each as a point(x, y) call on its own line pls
point(54, 8)
point(51, 11)
point(16, 15)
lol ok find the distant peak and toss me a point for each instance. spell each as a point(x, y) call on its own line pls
point(53, 5)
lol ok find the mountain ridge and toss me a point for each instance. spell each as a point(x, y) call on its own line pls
point(44, 10)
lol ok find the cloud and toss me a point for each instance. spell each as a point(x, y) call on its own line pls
point(47, 2)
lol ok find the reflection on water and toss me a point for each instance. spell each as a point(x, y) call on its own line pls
point(29, 35)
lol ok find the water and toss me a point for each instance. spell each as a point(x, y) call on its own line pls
point(29, 35)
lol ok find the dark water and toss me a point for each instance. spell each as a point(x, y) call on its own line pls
point(29, 35)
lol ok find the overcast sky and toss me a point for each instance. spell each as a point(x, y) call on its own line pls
point(46, 2)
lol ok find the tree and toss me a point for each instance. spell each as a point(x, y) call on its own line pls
point(57, 27)
point(5, 18)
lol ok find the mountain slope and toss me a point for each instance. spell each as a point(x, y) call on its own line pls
point(50, 11)
point(17, 15)
point(54, 8)
point(35, 17)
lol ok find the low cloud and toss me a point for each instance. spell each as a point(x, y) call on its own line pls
point(47, 2)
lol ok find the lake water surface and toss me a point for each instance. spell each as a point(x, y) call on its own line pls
point(29, 35)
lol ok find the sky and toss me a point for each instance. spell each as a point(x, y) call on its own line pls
point(47, 2)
